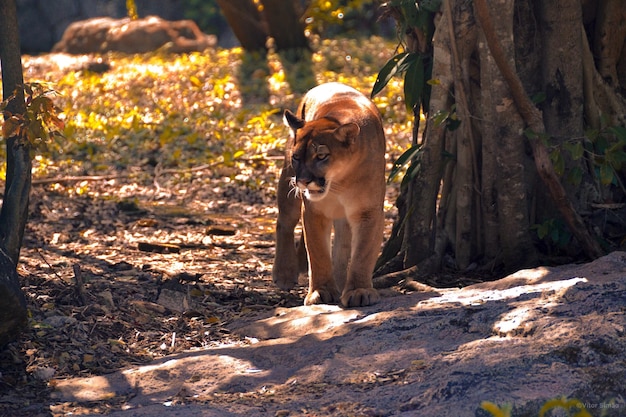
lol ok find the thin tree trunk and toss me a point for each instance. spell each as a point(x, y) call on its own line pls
point(17, 188)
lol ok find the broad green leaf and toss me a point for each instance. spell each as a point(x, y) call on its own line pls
point(410, 12)
point(396, 65)
point(413, 83)
point(558, 162)
point(530, 134)
point(575, 176)
point(576, 149)
point(430, 5)
point(592, 134)
point(538, 98)
point(403, 160)
point(617, 159)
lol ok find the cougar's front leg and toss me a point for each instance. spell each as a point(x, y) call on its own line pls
point(342, 249)
point(286, 263)
point(322, 287)
point(367, 235)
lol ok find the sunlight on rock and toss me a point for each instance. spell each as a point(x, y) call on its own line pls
point(512, 320)
point(470, 296)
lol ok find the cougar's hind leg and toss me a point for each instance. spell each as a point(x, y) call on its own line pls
point(303, 260)
point(286, 264)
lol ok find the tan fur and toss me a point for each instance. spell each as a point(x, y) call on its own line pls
point(335, 164)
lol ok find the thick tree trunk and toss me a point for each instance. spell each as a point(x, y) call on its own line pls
point(246, 22)
point(284, 25)
point(476, 193)
point(562, 81)
point(504, 190)
point(533, 119)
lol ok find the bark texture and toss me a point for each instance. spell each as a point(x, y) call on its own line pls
point(482, 191)
point(17, 188)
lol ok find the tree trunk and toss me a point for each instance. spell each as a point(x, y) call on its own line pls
point(246, 22)
point(284, 25)
point(481, 190)
point(504, 160)
point(17, 188)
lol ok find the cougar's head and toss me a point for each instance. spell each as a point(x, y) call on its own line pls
point(317, 153)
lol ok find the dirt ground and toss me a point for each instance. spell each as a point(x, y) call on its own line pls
point(145, 286)
point(133, 270)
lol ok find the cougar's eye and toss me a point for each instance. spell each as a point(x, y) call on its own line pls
point(322, 152)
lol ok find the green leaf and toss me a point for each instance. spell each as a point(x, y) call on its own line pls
point(413, 83)
point(606, 174)
point(402, 160)
point(576, 150)
point(396, 65)
point(617, 159)
point(558, 161)
point(620, 132)
point(440, 117)
point(430, 5)
point(538, 97)
point(530, 134)
point(575, 176)
point(410, 12)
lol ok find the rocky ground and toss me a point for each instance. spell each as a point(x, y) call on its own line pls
point(149, 292)
point(142, 305)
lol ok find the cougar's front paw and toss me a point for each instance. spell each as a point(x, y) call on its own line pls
point(359, 297)
point(322, 296)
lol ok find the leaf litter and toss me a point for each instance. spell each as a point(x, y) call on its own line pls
point(151, 222)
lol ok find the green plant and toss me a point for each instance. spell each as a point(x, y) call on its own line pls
point(553, 231)
point(573, 408)
point(607, 151)
point(414, 63)
point(41, 121)
point(131, 9)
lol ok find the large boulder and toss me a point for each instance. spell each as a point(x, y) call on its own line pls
point(105, 34)
point(42, 22)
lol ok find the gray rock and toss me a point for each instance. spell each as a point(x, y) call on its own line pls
point(535, 335)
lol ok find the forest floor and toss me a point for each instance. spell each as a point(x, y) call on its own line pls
point(151, 227)
point(155, 231)
point(99, 300)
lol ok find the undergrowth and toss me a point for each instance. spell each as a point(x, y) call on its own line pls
point(221, 108)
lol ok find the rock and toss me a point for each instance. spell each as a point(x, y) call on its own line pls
point(42, 22)
point(105, 34)
point(535, 335)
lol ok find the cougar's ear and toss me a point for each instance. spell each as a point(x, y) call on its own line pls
point(347, 133)
point(292, 120)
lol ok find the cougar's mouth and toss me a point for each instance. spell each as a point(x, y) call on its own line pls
point(312, 190)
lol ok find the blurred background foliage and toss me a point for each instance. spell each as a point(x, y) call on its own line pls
point(326, 18)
